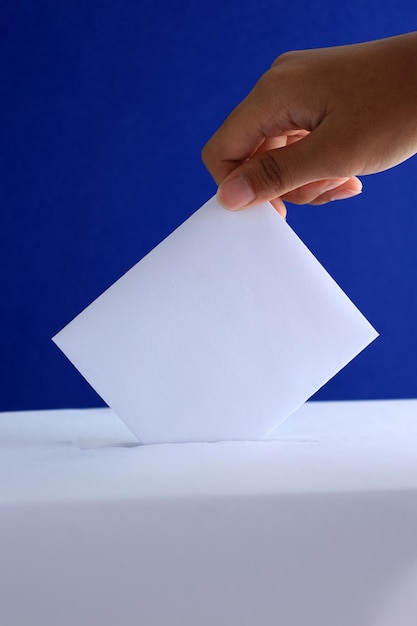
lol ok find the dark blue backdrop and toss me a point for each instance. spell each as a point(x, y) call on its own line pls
point(105, 105)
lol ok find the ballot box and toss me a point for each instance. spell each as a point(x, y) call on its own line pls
point(315, 526)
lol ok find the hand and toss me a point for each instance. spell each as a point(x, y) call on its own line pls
point(315, 121)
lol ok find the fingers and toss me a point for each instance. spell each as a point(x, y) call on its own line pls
point(323, 191)
point(260, 122)
point(351, 188)
point(276, 173)
point(320, 192)
point(239, 137)
point(280, 207)
point(277, 146)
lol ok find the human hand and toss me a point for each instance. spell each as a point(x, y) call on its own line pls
point(315, 121)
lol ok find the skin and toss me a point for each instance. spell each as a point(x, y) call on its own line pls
point(316, 121)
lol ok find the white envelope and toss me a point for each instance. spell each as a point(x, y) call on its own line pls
point(219, 333)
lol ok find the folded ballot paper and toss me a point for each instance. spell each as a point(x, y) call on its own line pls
point(219, 333)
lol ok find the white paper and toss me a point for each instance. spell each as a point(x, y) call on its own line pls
point(219, 333)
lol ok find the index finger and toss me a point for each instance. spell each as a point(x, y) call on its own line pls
point(261, 116)
point(237, 139)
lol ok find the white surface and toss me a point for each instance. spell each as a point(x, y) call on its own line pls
point(220, 333)
point(317, 528)
point(324, 447)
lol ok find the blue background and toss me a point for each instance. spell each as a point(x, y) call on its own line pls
point(105, 105)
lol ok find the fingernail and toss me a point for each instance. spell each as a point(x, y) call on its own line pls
point(343, 194)
point(235, 193)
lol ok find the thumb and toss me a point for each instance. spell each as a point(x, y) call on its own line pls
point(272, 174)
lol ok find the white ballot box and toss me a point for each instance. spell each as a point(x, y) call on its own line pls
point(316, 526)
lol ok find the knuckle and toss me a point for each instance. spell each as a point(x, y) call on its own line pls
point(263, 86)
point(286, 57)
point(271, 175)
point(205, 154)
